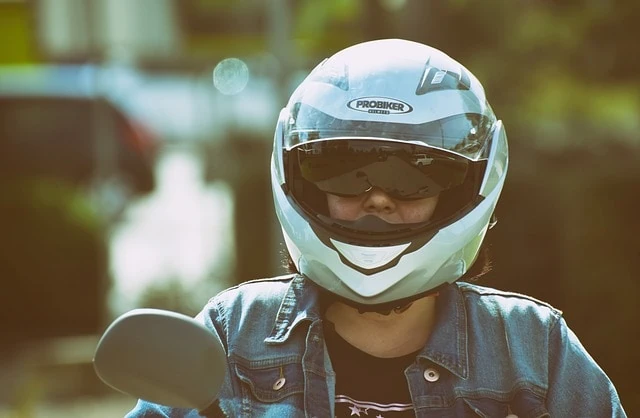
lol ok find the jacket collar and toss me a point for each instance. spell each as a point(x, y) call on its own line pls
point(300, 303)
point(447, 345)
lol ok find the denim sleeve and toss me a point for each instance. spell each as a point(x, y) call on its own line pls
point(578, 387)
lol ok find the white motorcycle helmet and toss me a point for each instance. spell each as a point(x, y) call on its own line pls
point(405, 118)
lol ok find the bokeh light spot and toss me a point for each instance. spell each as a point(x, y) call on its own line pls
point(231, 76)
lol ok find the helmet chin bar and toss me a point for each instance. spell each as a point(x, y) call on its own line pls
point(397, 306)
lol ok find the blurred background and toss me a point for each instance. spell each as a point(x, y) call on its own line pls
point(134, 149)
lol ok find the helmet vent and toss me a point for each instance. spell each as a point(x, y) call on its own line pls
point(369, 257)
point(436, 79)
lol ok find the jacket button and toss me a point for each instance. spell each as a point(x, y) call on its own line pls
point(431, 375)
point(278, 384)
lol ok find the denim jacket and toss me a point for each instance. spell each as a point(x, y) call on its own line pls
point(490, 354)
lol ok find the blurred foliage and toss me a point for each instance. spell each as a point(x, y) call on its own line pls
point(16, 25)
point(172, 295)
point(52, 261)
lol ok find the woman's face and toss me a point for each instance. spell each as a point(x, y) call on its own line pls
point(378, 203)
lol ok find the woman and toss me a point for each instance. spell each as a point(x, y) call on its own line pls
point(387, 166)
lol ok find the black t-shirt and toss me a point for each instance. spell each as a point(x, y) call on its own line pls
point(368, 386)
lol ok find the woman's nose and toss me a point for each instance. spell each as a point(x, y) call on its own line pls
point(377, 200)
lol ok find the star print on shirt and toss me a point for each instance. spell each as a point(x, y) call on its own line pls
point(349, 407)
point(356, 411)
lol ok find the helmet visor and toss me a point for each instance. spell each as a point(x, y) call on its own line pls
point(464, 134)
point(354, 166)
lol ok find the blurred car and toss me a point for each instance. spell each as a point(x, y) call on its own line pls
point(62, 122)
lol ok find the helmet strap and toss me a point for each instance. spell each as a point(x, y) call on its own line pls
point(397, 306)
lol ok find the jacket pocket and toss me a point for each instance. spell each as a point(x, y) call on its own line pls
point(273, 381)
point(521, 406)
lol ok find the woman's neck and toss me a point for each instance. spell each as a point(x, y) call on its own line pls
point(385, 336)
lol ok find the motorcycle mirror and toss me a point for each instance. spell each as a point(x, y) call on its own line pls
point(162, 357)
